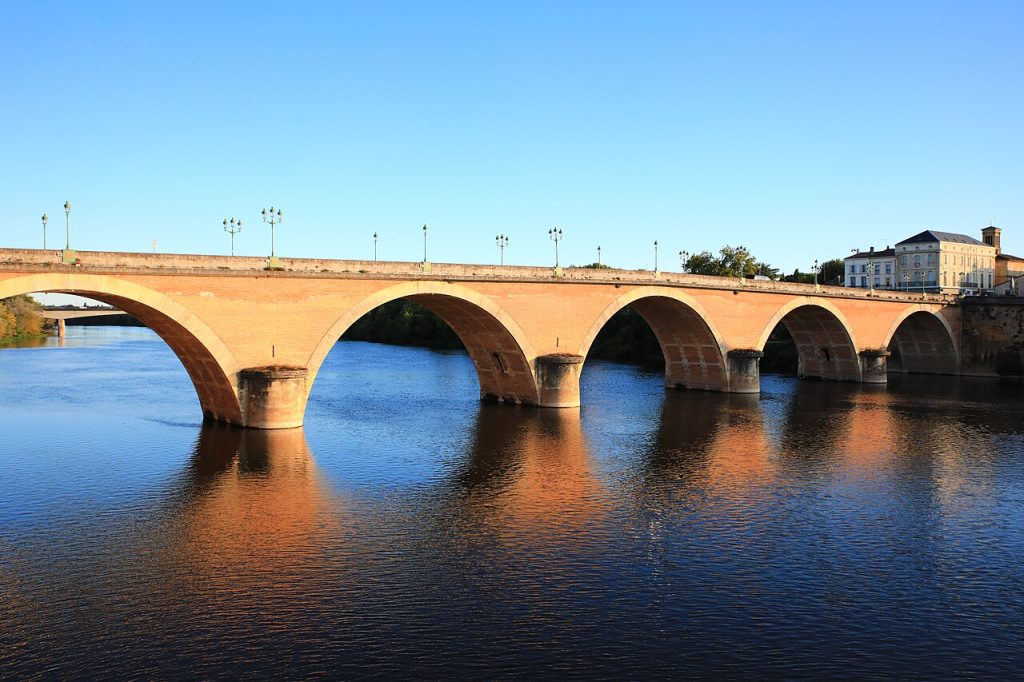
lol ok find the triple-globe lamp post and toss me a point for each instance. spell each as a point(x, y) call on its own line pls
point(502, 241)
point(272, 217)
point(555, 233)
point(684, 258)
point(233, 227)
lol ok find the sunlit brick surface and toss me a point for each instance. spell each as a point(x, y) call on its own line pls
point(224, 315)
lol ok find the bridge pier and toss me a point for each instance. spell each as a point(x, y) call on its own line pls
point(745, 370)
point(558, 378)
point(273, 397)
point(62, 329)
point(873, 366)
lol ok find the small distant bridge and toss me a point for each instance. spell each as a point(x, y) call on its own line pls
point(64, 314)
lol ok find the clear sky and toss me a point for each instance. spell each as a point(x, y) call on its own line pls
point(800, 130)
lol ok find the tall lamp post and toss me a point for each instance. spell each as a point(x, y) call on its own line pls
point(232, 228)
point(45, 220)
point(272, 217)
point(906, 281)
point(599, 255)
point(374, 247)
point(684, 258)
point(502, 241)
point(424, 244)
point(67, 225)
point(815, 268)
point(555, 233)
point(655, 255)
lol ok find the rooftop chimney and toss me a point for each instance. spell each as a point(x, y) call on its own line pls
point(990, 235)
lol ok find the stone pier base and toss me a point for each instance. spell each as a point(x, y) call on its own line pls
point(873, 366)
point(272, 397)
point(62, 329)
point(745, 371)
point(559, 379)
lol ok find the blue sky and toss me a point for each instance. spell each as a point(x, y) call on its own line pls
point(800, 130)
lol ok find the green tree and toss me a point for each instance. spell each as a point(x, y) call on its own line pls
point(832, 272)
point(730, 262)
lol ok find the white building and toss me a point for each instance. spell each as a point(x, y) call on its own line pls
point(945, 261)
point(871, 269)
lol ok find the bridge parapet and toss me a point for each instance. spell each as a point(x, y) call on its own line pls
point(111, 262)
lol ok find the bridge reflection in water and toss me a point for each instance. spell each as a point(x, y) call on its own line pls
point(535, 476)
point(562, 535)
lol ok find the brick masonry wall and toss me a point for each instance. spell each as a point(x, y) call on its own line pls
point(993, 337)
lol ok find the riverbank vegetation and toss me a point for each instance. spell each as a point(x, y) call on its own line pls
point(20, 317)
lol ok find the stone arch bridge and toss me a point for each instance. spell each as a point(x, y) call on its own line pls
point(252, 338)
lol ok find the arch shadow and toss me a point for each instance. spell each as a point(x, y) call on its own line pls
point(498, 347)
point(921, 343)
point(210, 365)
point(694, 357)
point(824, 343)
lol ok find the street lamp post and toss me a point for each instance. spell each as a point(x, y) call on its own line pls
point(45, 220)
point(374, 247)
point(906, 282)
point(555, 233)
point(272, 217)
point(599, 255)
point(232, 228)
point(502, 241)
point(424, 244)
point(815, 269)
point(67, 225)
point(871, 276)
point(684, 258)
point(655, 255)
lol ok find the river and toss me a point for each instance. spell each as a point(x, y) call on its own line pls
point(819, 530)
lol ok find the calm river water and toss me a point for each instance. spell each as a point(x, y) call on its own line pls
point(819, 530)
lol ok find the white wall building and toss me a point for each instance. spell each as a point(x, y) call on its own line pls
point(871, 269)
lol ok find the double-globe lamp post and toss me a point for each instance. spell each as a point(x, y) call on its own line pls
point(555, 233)
point(502, 241)
point(232, 228)
point(272, 217)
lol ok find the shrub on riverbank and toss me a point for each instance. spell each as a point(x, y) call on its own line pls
point(20, 316)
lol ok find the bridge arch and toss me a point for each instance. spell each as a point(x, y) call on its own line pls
point(689, 339)
point(209, 363)
point(497, 345)
point(823, 339)
point(923, 343)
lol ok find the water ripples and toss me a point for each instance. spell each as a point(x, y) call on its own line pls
point(821, 530)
